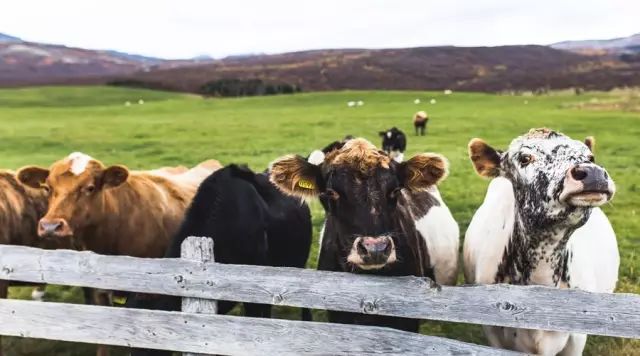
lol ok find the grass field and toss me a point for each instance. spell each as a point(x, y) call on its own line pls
point(40, 125)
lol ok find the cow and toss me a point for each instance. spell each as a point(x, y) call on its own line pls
point(394, 143)
point(111, 210)
point(251, 222)
point(540, 224)
point(420, 120)
point(381, 217)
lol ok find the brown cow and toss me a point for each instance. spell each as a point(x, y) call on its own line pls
point(20, 209)
point(111, 210)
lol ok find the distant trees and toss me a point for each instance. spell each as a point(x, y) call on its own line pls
point(246, 87)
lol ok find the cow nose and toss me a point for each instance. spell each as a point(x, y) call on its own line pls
point(373, 245)
point(592, 177)
point(53, 227)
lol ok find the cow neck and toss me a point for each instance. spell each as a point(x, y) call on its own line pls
point(121, 207)
point(537, 251)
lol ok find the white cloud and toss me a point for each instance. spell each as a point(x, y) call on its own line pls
point(178, 29)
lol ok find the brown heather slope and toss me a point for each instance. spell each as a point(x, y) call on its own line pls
point(459, 68)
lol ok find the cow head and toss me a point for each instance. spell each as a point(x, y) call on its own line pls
point(359, 187)
point(553, 176)
point(393, 143)
point(75, 187)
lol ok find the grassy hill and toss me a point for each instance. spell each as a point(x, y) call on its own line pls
point(40, 125)
point(485, 69)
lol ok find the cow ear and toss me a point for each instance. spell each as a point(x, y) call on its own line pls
point(382, 133)
point(114, 176)
point(295, 176)
point(486, 160)
point(32, 176)
point(423, 171)
point(590, 141)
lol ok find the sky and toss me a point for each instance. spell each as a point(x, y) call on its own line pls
point(188, 28)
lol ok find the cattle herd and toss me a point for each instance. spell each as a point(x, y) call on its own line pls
point(540, 222)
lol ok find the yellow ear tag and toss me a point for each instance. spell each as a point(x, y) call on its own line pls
point(306, 184)
point(120, 300)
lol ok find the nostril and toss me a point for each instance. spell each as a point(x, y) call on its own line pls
point(578, 173)
point(362, 249)
point(606, 176)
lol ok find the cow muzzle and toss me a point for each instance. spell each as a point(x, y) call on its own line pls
point(370, 253)
point(54, 228)
point(587, 185)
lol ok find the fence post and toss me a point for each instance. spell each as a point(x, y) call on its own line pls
point(198, 249)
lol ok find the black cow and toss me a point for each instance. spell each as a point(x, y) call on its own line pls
point(394, 143)
point(251, 223)
point(371, 205)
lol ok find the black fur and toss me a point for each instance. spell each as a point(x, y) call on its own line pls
point(251, 223)
point(397, 142)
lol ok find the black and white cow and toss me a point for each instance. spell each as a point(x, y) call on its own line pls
point(540, 224)
point(251, 223)
point(394, 142)
point(381, 217)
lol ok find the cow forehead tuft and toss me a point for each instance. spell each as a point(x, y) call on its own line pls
point(78, 162)
point(359, 154)
point(541, 137)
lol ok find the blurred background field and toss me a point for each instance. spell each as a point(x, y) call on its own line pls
point(42, 124)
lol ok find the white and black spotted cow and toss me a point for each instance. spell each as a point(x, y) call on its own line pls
point(540, 224)
point(382, 217)
point(394, 142)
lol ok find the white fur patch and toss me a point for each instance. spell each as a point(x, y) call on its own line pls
point(489, 233)
point(79, 162)
point(442, 236)
point(397, 156)
point(389, 134)
point(38, 294)
point(316, 157)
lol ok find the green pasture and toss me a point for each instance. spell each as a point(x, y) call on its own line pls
point(40, 125)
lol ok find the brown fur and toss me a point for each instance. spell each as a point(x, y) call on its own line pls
point(542, 132)
point(360, 155)
point(288, 171)
point(590, 141)
point(425, 170)
point(418, 118)
point(135, 218)
point(485, 159)
point(132, 213)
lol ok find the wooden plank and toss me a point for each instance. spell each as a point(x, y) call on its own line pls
point(198, 249)
point(216, 334)
point(531, 307)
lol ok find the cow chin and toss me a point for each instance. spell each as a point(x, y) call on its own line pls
point(368, 261)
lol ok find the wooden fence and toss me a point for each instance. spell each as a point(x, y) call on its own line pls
point(200, 281)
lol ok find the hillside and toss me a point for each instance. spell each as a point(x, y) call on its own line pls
point(30, 63)
point(620, 45)
point(459, 68)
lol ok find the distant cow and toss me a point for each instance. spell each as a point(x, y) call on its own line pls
point(420, 120)
point(111, 210)
point(540, 224)
point(394, 143)
point(251, 222)
point(382, 217)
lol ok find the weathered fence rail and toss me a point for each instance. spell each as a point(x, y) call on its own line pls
point(195, 280)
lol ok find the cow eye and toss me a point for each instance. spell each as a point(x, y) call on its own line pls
point(90, 188)
point(46, 189)
point(592, 159)
point(525, 159)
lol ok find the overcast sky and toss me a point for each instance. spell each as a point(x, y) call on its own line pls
point(186, 28)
